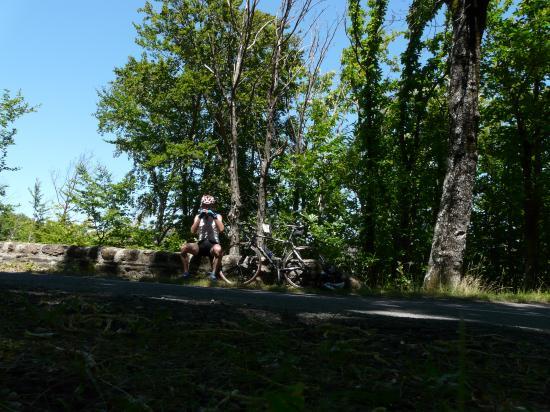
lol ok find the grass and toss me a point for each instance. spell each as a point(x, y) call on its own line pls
point(468, 289)
point(489, 296)
point(17, 266)
point(68, 352)
point(473, 287)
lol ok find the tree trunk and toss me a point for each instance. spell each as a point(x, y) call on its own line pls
point(530, 226)
point(531, 164)
point(265, 156)
point(230, 92)
point(449, 242)
point(262, 201)
point(235, 210)
point(273, 94)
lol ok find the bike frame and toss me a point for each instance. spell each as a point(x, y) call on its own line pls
point(290, 251)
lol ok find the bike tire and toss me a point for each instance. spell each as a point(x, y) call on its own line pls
point(245, 271)
point(293, 271)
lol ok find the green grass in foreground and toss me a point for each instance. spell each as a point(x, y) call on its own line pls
point(480, 293)
point(513, 297)
point(68, 352)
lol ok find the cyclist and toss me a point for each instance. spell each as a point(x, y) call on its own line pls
point(208, 224)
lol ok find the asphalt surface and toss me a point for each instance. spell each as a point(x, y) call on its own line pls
point(532, 317)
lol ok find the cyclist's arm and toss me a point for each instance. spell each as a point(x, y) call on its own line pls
point(195, 225)
point(219, 223)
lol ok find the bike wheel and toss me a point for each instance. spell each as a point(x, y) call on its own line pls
point(293, 271)
point(245, 271)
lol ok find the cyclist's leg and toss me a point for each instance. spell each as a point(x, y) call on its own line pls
point(216, 253)
point(191, 248)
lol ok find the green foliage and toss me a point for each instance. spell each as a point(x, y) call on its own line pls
point(20, 228)
point(511, 218)
point(398, 150)
point(312, 178)
point(15, 226)
point(285, 399)
point(11, 108)
point(363, 72)
point(105, 204)
point(155, 114)
point(169, 110)
point(59, 232)
point(39, 207)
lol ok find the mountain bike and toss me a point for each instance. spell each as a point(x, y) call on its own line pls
point(258, 259)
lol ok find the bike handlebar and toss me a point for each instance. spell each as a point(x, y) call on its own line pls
point(296, 226)
point(296, 230)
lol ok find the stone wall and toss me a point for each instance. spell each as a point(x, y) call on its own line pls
point(127, 263)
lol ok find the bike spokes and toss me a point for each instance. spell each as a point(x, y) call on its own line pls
point(294, 272)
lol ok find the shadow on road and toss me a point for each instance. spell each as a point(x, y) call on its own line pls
point(535, 317)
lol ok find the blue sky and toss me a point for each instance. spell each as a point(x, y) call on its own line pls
point(59, 53)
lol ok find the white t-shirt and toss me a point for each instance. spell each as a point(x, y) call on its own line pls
point(208, 230)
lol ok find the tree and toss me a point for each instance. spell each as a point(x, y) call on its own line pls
point(446, 258)
point(510, 215)
point(364, 74)
point(65, 189)
point(215, 57)
point(317, 164)
point(15, 226)
point(104, 203)
point(11, 108)
point(285, 64)
point(39, 207)
point(156, 114)
point(423, 74)
point(366, 40)
point(242, 36)
point(311, 85)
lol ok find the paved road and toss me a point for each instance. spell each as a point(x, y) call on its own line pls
point(535, 317)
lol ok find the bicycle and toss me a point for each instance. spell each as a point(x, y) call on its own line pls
point(256, 259)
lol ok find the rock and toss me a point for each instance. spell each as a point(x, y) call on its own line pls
point(133, 264)
point(230, 261)
point(54, 250)
point(161, 258)
point(77, 252)
point(146, 257)
point(354, 283)
point(313, 267)
point(109, 268)
point(200, 265)
point(93, 252)
point(32, 248)
point(129, 255)
point(108, 253)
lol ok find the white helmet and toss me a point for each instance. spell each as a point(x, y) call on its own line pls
point(207, 200)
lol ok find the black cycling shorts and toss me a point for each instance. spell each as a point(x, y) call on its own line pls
point(205, 246)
